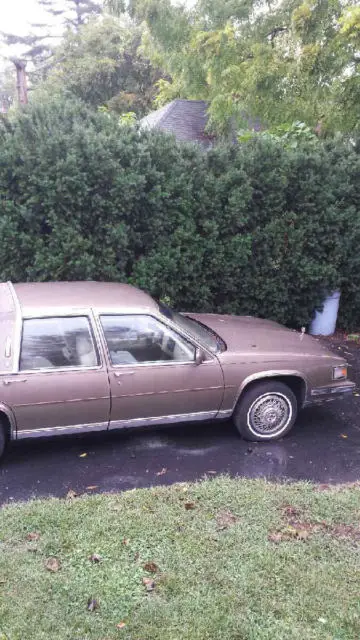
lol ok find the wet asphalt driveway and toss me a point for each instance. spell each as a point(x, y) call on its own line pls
point(324, 446)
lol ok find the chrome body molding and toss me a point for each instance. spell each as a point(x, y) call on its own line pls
point(224, 414)
point(320, 391)
point(147, 422)
point(123, 424)
point(56, 402)
point(320, 395)
point(61, 431)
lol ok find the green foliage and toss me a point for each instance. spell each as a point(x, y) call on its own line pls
point(262, 228)
point(101, 64)
point(7, 88)
point(279, 62)
point(292, 135)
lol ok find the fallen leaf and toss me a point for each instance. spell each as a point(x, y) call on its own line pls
point(322, 487)
point(225, 519)
point(33, 536)
point(92, 487)
point(162, 472)
point(189, 505)
point(322, 620)
point(95, 558)
point(289, 533)
point(343, 435)
point(289, 510)
point(71, 494)
point(151, 567)
point(52, 564)
point(82, 455)
point(275, 537)
point(121, 625)
point(92, 604)
point(149, 584)
point(302, 534)
point(126, 542)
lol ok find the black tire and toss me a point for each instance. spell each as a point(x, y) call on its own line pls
point(267, 411)
point(3, 440)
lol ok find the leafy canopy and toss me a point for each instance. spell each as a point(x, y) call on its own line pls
point(101, 63)
point(275, 62)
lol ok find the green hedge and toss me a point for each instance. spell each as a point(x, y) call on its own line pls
point(255, 229)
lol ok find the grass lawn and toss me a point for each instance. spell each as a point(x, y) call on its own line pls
point(221, 559)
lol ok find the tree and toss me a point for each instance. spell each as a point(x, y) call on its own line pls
point(7, 88)
point(73, 13)
point(38, 46)
point(278, 62)
point(101, 63)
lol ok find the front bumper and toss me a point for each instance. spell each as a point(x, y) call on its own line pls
point(319, 395)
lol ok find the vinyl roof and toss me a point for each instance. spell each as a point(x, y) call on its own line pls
point(81, 295)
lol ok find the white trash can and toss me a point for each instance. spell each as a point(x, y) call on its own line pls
point(324, 323)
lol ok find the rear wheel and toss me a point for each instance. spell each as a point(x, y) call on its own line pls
point(3, 439)
point(267, 411)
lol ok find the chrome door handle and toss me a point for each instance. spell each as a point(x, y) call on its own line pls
point(119, 374)
point(7, 382)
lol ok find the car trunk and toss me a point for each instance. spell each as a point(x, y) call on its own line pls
point(7, 328)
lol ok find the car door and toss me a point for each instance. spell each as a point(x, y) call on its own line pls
point(61, 385)
point(153, 373)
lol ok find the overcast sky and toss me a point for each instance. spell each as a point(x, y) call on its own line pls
point(17, 15)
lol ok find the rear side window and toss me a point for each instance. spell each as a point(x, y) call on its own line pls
point(50, 343)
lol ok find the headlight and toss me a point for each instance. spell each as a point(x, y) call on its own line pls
point(340, 373)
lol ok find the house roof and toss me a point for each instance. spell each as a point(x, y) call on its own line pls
point(186, 119)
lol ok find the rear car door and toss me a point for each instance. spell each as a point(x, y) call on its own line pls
point(62, 383)
point(153, 373)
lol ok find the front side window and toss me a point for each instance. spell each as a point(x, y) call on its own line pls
point(143, 339)
point(49, 343)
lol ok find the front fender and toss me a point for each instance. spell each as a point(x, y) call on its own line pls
point(273, 373)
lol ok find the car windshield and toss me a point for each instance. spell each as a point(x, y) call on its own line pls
point(194, 328)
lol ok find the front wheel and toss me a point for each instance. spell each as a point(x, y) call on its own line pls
point(267, 411)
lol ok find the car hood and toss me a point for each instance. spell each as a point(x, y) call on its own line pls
point(246, 334)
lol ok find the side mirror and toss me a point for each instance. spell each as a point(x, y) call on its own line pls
point(200, 356)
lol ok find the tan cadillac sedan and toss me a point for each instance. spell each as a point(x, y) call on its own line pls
point(87, 356)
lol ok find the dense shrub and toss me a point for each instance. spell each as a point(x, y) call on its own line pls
point(255, 229)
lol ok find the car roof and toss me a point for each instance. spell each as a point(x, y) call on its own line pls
point(33, 296)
